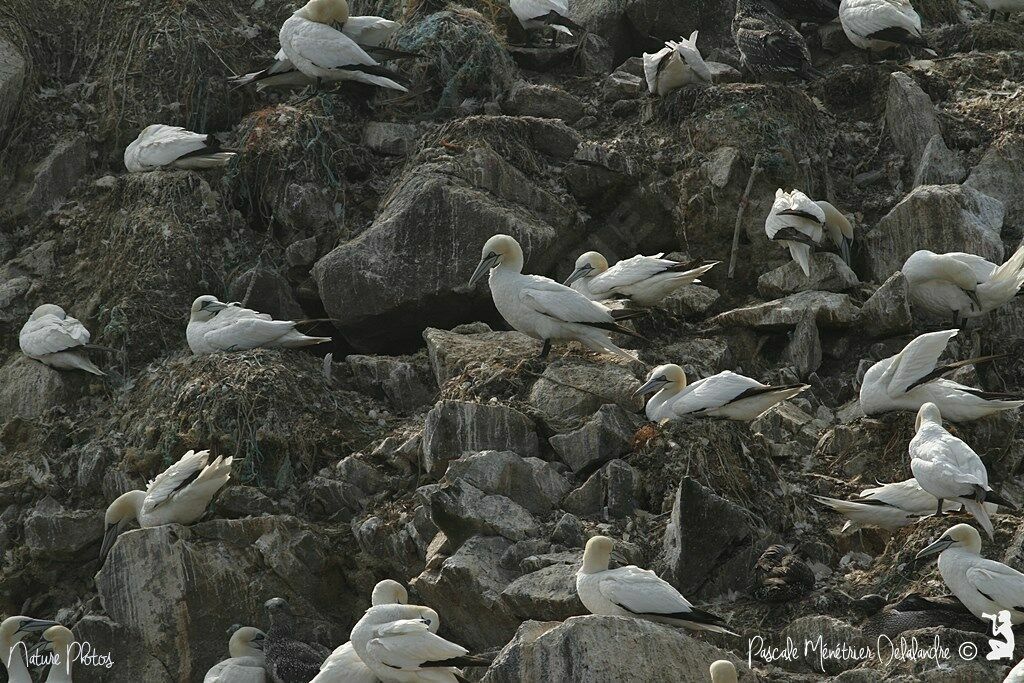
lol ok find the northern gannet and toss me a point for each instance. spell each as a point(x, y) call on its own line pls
point(983, 586)
point(949, 469)
point(726, 394)
point(536, 15)
point(839, 230)
point(178, 495)
point(216, 326)
point(796, 222)
point(877, 25)
point(12, 650)
point(781, 576)
point(633, 592)
point(288, 659)
point(323, 53)
point(543, 309)
point(768, 45)
point(961, 285)
point(1016, 674)
point(396, 642)
point(723, 671)
point(56, 339)
point(913, 377)
point(368, 32)
point(58, 640)
point(888, 506)
point(246, 659)
point(158, 146)
point(644, 280)
point(675, 65)
point(344, 665)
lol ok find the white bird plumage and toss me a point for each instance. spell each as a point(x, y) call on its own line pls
point(912, 378)
point(215, 326)
point(246, 659)
point(367, 31)
point(644, 280)
point(54, 338)
point(178, 495)
point(12, 651)
point(961, 285)
point(397, 644)
point(983, 586)
point(888, 506)
point(880, 24)
point(633, 592)
point(675, 65)
point(344, 665)
point(797, 222)
point(723, 671)
point(542, 308)
point(948, 468)
point(726, 394)
point(58, 640)
point(536, 15)
point(323, 53)
point(158, 146)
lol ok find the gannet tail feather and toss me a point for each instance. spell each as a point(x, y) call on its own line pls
point(1005, 282)
point(979, 512)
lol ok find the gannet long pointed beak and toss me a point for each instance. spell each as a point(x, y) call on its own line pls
point(652, 385)
point(217, 306)
point(935, 548)
point(846, 251)
point(36, 625)
point(974, 297)
point(582, 271)
point(110, 535)
point(40, 647)
point(485, 265)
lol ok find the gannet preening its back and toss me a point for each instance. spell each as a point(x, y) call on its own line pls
point(58, 640)
point(344, 665)
point(961, 285)
point(543, 309)
point(54, 338)
point(644, 280)
point(949, 469)
point(216, 326)
point(839, 230)
point(796, 222)
point(158, 146)
point(398, 644)
point(323, 53)
point(675, 65)
point(536, 15)
point(768, 45)
point(178, 495)
point(368, 32)
point(723, 671)
point(288, 659)
point(633, 592)
point(246, 659)
point(983, 586)
point(880, 24)
point(888, 506)
point(913, 377)
point(726, 394)
point(12, 652)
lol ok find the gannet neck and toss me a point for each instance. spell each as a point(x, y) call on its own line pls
point(61, 639)
point(928, 414)
point(967, 538)
point(12, 652)
point(597, 555)
point(48, 309)
point(723, 671)
point(389, 592)
point(243, 642)
point(324, 11)
point(126, 506)
point(512, 260)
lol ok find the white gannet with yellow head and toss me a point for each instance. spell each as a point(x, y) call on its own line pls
point(983, 586)
point(323, 53)
point(344, 665)
point(54, 338)
point(179, 495)
point(644, 280)
point(59, 640)
point(12, 651)
point(542, 308)
point(246, 660)
point(215, 326)
point(961, 285)
point(675, 65)
point(633, 592)
point(726, 394)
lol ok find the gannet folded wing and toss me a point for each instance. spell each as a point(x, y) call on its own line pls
point(174, 479)
point(51, 334)
point(641, 591)
point(332, 54)
point(907, 495)
point(873, 24)
point(369, 31)
point(248, 333)
point(1001, 584)
point(653, 64)
point(916, 361)
point(715, 391)
point(562, 303)
point(533, 13)
point(159, 145)
point(409, 644)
